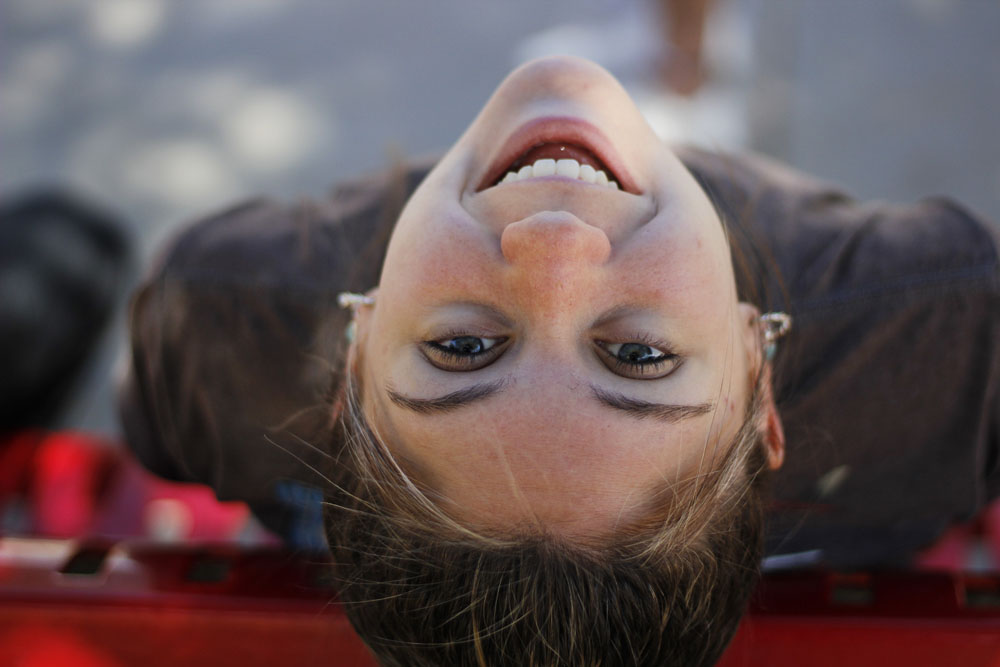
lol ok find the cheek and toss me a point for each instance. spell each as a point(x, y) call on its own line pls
point(439, 258)
point(686, 271)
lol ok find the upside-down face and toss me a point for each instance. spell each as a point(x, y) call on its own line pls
point(556, 334)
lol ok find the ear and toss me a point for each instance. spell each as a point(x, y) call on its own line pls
point(770, 421)
point(770, 425)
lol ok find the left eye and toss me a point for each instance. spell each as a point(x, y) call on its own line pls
point(635, 353)
point(462, 353)
point(638, 360)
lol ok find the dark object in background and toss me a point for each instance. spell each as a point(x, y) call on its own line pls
point(63, 263)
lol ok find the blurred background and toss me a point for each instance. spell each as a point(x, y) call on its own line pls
point(156, 111)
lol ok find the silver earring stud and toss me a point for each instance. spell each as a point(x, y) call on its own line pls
point(775, 325)
point(354, 300)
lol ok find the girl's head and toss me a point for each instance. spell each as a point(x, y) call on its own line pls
point(555, 371)
point(552, 352)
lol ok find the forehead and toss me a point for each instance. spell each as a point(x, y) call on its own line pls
point(562, 462)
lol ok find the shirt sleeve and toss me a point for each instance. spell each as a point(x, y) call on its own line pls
point(888, 381)
point(236, 345)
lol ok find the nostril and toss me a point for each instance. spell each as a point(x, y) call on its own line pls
point(554, 237)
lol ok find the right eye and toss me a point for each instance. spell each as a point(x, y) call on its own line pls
point(640, 359)
point(463, 353)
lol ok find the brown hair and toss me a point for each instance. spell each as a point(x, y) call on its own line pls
point(422, 589)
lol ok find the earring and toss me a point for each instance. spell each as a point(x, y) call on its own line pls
point(354, 300)
point(775, 325)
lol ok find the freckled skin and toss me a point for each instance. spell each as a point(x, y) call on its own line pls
point(540, 264)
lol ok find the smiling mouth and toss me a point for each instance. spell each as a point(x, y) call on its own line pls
point(559, 148)
point(563, 159)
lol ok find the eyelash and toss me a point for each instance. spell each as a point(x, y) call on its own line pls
point(442, 353)
point(642, 368)
point(433, 348)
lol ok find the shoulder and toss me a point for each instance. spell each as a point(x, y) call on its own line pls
point(304, 244)
point(257, 243)
point(859, 251)
point(828, 247)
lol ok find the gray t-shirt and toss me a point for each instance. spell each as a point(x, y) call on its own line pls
point(888, 384)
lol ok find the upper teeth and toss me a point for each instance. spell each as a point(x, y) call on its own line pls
point(568, 168)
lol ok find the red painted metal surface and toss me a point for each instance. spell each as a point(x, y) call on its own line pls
point(111, 605)
point(883, 619)
point(64, 603)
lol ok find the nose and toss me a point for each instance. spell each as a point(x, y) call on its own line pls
point(554, 240)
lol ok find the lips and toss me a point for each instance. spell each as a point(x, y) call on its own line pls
point(549, 139)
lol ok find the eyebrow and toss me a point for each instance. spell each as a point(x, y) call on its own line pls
point(448, 402)
point(668, 413)
point(664, 412)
